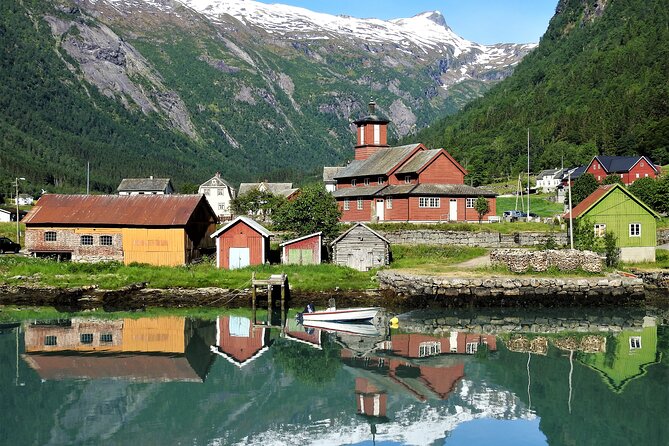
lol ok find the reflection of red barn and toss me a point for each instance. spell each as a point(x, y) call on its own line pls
point(240, 243)
point(303, 251)
point(239, 341)
point(415, 345)
point(296, 332)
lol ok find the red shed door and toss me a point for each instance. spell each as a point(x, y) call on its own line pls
point(240, 257)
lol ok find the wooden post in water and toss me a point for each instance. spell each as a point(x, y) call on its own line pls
point(283, 299)
point(253, 296)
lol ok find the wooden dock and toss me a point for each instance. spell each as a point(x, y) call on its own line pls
point(280, 280)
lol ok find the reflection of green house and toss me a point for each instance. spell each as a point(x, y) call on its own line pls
point(627, 357)
point(612, 208)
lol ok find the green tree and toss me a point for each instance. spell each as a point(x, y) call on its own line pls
point(583, 186)
point(612, 179)
point(611, 249)
point(189, 188)
point(482, 207)
point(257, 203)
point(314, 209)
point(584, 235)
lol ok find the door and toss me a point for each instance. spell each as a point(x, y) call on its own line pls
point(379, 209)
point(301, 256)
point(453, 210)
point(240, 257)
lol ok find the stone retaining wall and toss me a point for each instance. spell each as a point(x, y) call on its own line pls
point(521, 260)
point(515, 290)
point(662, 236)
point(470, 238)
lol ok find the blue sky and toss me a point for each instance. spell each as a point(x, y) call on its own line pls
point(482, 21)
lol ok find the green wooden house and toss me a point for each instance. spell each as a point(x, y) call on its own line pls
point(613, 208)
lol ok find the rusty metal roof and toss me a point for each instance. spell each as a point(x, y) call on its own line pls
point(115, 210)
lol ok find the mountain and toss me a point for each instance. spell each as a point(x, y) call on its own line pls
point(596, 84)
point(186, 88)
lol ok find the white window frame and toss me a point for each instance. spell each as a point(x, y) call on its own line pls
point(106, 240)
point(389, 202)
point(407, 179)
point(50, 340)
point(50, 236)
point(353, 182)
point(362, 135)
point(469, 203)
point(600, 229)
point(347, 204)
point(87, 238)
point(380, 180)
point(366, 181)
point(360, 204)
point(471, 347)
point(377, 134)
point(635, 342)
point(429, 348)
point(635, 229)
point(86, 338)
point(429, 202)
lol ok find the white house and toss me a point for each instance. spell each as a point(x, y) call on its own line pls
point(549, 180)
point(5, 216)
point(219, 194)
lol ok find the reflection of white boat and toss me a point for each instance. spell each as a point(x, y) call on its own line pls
point(343, 315)
point(362, 329)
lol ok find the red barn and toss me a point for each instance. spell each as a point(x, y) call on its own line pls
point(407, 183)
point(305, 250)
point(240, 243)
point(630, 168)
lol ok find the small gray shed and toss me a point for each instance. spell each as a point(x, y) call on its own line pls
point(361, 248)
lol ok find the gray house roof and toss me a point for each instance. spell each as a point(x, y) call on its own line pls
point(549, 173)
point(330, 172)
point(145, 185)
point(334, 242)
point(453, 190)
point(379, 163)
point(216, 181)
point(284, 189)
point(363, 191)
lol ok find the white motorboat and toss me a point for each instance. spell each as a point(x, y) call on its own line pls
point(342, 315)
point(361, 329)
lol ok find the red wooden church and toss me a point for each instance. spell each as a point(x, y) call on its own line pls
point(407, 183)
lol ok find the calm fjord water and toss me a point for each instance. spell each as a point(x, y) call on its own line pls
point(559, 378)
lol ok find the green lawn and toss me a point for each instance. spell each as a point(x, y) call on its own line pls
point(502, 227)
point(9, 230)
point(539, 205)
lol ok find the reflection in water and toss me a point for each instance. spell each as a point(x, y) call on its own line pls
point(231, 381)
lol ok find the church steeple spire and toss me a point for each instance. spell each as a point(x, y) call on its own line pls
point(372, 133)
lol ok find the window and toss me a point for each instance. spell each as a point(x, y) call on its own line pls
point(221, 206)
point(635, 229)
point(87, 240)
point(644, 175)
point(430, 348)
point(353, 182)
point(362, 135)
point(377, 134)
point(50, 340)
point(380, 180)
point(635, 342)
point(471, 348)
point(106, 337)
point(366, 181)
point(621, 175)
point(637, 175)
point(106, 240)
point(600, 230)
point(407, 179)
point(50, 236)
point(389, 203)
point(470, 203)
point(347, 204)
point(641, 164)
point(359, 204)
point(429, 202)
point(206, 191)
point(86, 338)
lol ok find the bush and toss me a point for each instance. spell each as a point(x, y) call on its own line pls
point(611, 249)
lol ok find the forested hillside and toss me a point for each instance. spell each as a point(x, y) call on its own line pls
point(597, 84)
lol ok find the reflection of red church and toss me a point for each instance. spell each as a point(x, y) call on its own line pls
point(240, 341)
point(371, 400)
point(416, 345)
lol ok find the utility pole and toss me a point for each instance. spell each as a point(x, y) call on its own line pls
point(18, 233)
point(528, 174)
point(571, 220)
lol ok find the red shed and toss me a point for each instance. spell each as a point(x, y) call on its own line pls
point(240, 243)
point(304, 250)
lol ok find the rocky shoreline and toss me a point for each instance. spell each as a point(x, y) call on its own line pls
point(396, 290)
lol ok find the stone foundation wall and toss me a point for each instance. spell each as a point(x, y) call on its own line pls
point(662, 236)
point(467, 238)
point(515, 290)
point(521, 260)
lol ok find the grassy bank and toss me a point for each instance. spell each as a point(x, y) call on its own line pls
point(16, 270)
point(539, 204)
point(9, 230)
